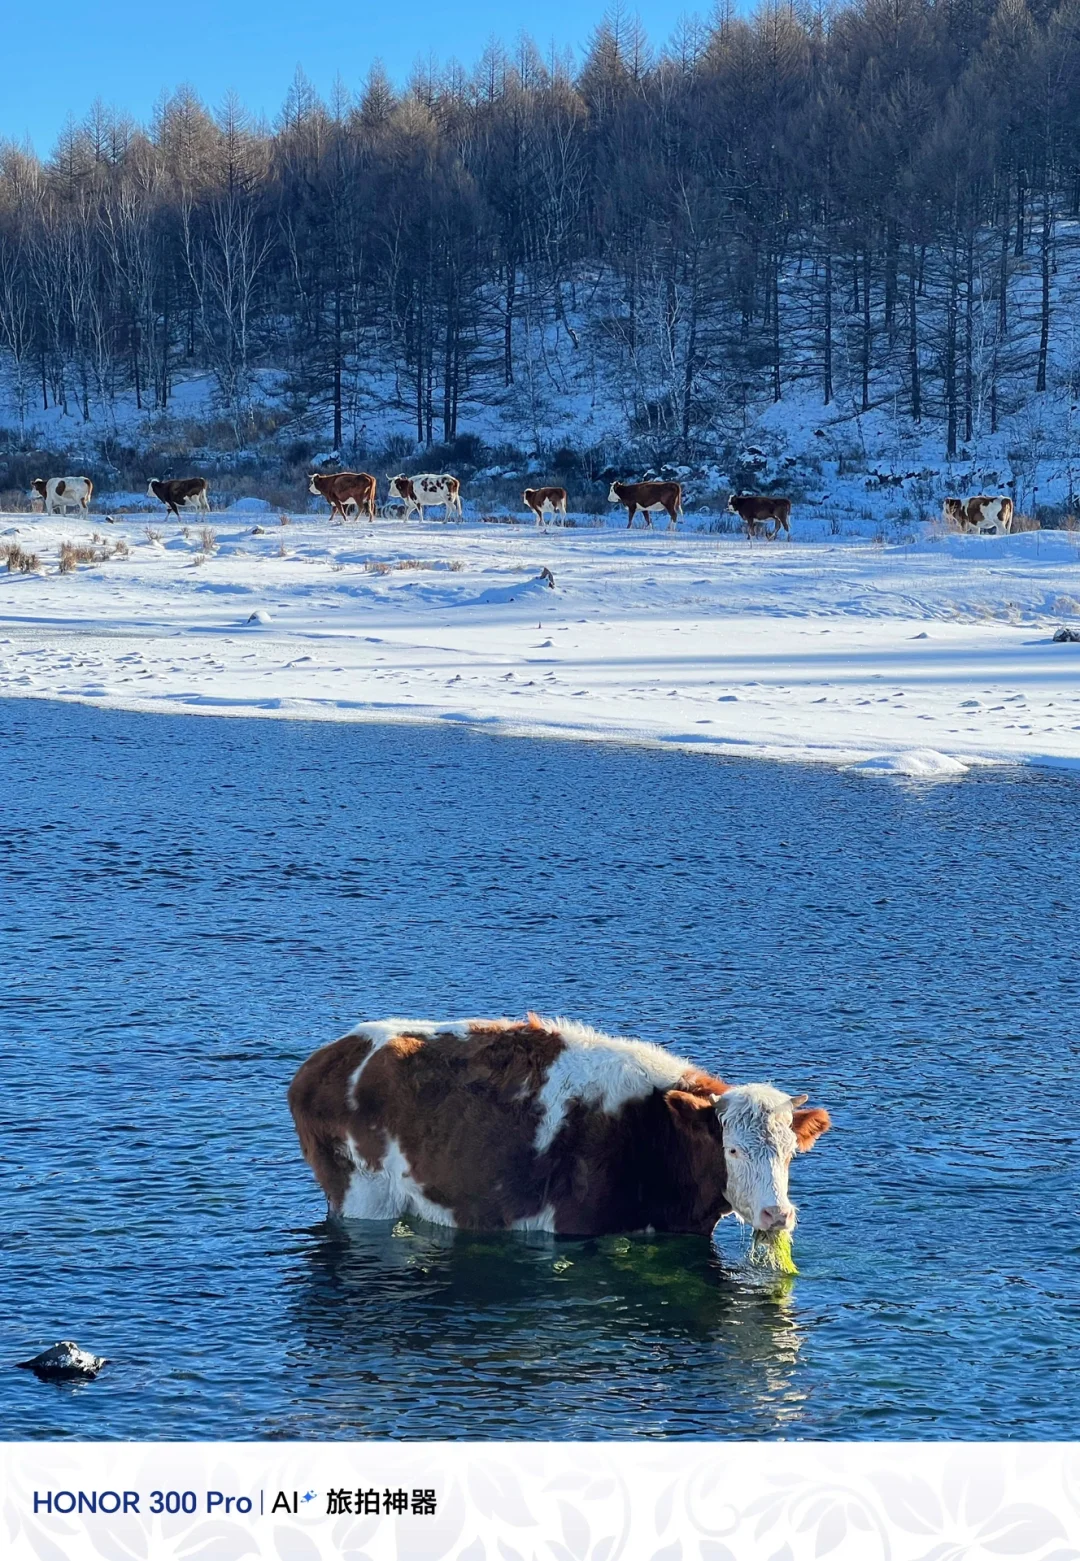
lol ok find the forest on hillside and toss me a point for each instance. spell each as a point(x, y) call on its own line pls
point(847, 200)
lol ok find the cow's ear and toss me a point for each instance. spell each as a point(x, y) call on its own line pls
point(686, 1107)
point(809, 1126)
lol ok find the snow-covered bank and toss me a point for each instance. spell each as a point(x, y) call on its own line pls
point(914, 659)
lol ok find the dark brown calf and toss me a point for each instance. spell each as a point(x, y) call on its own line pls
point(756, 509)
point(646, 496)
point(174, 491)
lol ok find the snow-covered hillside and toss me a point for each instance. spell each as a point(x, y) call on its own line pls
point(921, 657)
point(573, 416)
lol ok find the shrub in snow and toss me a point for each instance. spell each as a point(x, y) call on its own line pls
point(18, 560)
point(74, 553)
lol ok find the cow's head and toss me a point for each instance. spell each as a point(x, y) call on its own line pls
point(613, 494)
point(40, 487)
point(731, 504)
point(400, 488)
point(953, 509)
point(313, 484)
point(152, 487)
point(763, 1130)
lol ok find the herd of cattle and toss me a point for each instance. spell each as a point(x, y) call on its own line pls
point(355, 493)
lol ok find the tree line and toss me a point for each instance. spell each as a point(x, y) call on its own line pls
point(868, 201)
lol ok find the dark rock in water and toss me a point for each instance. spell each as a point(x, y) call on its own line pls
point(1067, 637)
point(65, 1362)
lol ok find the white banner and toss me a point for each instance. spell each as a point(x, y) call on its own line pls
point(419, 1501)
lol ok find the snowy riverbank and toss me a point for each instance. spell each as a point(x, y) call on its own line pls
point(913, 658)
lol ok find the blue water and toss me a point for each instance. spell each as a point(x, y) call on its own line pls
point(189, 906)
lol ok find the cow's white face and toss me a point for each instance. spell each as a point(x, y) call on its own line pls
point(613, 497)
point(759, 1146)
point(731, 505)
point(394, 490)
point(312, 485)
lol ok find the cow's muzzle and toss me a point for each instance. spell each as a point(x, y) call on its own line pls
point(775, 1216)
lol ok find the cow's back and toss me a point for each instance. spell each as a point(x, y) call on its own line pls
point(450, 1112)
point(486, 1124)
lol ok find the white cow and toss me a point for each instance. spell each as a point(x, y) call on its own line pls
point(59, 494)
point(427, 488)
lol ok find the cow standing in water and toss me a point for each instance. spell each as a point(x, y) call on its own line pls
point(536, 1124)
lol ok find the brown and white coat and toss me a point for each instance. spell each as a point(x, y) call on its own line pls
point(493, 1124)
point(546, 501)
point(341, 489)
point(984, 513)
point(425, 490)
point(647, 497)
point(59, 494)
point(178, 493)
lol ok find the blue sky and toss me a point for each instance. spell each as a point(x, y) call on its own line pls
point(64, 54)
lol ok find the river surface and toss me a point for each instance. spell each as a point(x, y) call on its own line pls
point(188, 907)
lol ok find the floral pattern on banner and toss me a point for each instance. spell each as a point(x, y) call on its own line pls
point(578, 1502)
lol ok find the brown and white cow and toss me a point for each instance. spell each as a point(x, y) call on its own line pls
point(984, 513)
point(174, 492)
point(59, 494)
point(546, 501)
point(646, 496)
point(538, 1124)
point(427, 488)
point(755, 510)
point(342, 488)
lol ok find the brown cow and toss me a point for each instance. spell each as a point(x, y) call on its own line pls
point(174, 491)
point(646, 496)
point(543, 501)
point(538, 1124)
point(342, 488)
point(754, 509)
point(984, 513)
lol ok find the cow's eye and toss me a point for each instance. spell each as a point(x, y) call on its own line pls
point(733, 1152)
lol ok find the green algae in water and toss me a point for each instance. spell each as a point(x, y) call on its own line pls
point(772, 1249)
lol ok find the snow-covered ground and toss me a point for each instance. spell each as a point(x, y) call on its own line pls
point(915, 658)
